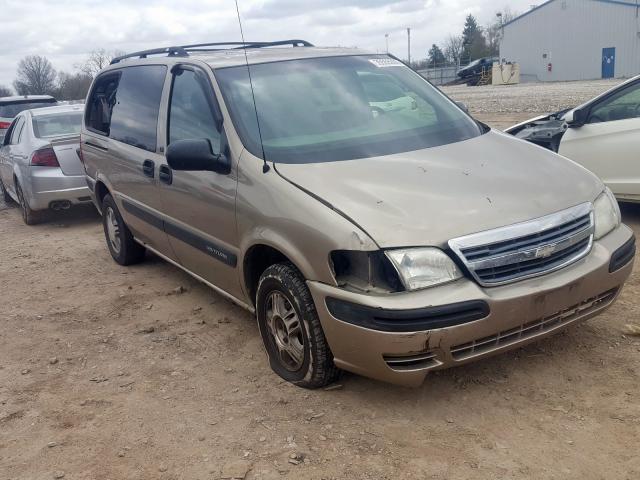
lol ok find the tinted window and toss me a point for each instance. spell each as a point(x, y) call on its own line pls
point(191, 114)
point(328, 109)
point(134, 119)
point(57, 124)
point(101, 102)
point(17, 131)
point(10, 110)
point(622, 105)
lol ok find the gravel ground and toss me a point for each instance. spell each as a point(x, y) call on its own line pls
point(112, 373)
point(503, 106)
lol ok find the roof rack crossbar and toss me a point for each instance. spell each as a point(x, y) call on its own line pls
point(182, 50)
point(169, 51)
point(293, 43)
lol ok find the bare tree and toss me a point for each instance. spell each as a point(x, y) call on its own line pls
point(35, 76)
point(72, 86)
point(453, 48)
point(5, 91)
point(97, 60)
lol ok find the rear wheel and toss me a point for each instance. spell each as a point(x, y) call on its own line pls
point(291, 330)
point(30, 217)
point(123, 248)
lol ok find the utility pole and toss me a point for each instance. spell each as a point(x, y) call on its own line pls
point(409, 46)
point(386, 38)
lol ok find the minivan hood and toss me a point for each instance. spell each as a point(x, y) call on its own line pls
point(427, 197)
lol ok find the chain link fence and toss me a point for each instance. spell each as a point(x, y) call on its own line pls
point(441, 74)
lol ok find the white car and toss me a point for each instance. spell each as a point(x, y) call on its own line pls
point(602, 135)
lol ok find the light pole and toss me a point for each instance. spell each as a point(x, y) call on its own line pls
point(386, 39)
point(409, 45)
point(501, 32)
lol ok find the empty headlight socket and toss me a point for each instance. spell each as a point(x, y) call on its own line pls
point(365, 271)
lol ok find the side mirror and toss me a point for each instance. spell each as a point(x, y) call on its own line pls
point(576, 118)
point(196, 156)
point(462, 106)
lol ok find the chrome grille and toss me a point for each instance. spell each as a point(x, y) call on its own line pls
point(528, 249)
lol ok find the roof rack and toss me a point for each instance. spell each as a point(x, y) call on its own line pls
point(183, 50)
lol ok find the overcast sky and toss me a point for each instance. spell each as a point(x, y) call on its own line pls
point(65, 31)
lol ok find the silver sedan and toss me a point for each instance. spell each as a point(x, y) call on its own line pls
point(40, 165)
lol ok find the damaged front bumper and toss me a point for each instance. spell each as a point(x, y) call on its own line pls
point(545, 130)
point(390, 337)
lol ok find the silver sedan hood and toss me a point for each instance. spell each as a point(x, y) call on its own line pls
point(429, 196)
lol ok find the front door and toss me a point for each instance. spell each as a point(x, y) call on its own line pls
point(608, 144)
point(199, 207)
point(608, 62)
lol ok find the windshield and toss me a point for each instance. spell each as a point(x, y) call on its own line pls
point(339, 108)
point(57, 124)
point(10, 110)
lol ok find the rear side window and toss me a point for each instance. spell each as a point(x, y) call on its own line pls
point(124, 105)
point(17, 131)
point(135, 115)
point(101, 103)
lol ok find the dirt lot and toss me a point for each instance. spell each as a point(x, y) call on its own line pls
point(110, 373)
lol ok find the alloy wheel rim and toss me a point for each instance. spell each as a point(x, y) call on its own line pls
point(113, 230)
point(285, 329)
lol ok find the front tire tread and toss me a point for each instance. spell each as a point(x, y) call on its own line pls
point(320, 369)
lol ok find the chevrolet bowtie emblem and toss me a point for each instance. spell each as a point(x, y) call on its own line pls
point(545, 251)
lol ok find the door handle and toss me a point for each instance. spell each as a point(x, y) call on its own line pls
point(149, 168)
point(165, 174)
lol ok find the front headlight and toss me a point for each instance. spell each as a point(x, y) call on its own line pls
point(423, 267)
point(606, 213)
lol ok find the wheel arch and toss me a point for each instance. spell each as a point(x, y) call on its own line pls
point(256, 259)
point(101, 190)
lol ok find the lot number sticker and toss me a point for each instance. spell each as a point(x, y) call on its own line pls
point(385, 62)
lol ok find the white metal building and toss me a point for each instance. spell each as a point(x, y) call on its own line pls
point(575, 40)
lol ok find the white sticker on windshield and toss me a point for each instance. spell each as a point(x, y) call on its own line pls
point(385, 62)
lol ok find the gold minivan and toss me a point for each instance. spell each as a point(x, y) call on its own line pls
point(370, 223)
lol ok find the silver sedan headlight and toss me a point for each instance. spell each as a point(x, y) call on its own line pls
point(423, 267)
point(606, 213)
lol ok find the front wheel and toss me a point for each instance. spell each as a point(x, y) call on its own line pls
point(123, 248)
point(291, 330)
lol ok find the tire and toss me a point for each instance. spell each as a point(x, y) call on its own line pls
point(5, 194)
point(290, 329)
point(30, 217)
point(123, 248)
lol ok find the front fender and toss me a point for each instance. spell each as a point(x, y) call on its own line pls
point(272, 211)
